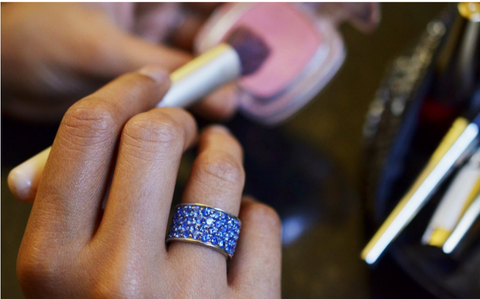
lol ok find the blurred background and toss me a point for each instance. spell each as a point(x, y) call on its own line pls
point(321, 247)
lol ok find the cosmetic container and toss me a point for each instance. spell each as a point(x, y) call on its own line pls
point(306, 51)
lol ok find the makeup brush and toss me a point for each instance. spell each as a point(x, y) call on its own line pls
point(241, 55)
point(466, 230)
point(460, 194)
point(458, 145)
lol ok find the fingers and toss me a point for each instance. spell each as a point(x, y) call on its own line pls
point(24, 179)
point(109, 51)
point(205, 8)
point(155, 21)
point(255, 271)
point(125, 52)
point(74, 179)
point(216, 179)
point(140, 196)
point(219, 105)
point(184, 36)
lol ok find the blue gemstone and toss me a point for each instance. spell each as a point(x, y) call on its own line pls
point(206, 211)
point(209, 221)
point(218, 224)
point(176, 234)
point(213, 231)
point(221, 243)
point(224, 228)
point(186, 234)
point(215, 215)
point(220, 234)
point(227, 249)
point(183, 226)
point(231, 250)
point(205, 238)
point(226, 236)
point(232, 243)
point(224, 217)
point(235, 237)
point(214, 240)
point(196, 235)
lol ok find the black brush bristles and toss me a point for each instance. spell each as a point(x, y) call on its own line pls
point(251, 49)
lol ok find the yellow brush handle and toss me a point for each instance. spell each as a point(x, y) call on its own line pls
point(458, 139)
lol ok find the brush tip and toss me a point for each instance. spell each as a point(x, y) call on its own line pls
point(251, 49)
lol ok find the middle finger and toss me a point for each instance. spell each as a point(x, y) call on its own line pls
point(142, 188)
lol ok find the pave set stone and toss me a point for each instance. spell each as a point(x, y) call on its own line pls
point(208, 225)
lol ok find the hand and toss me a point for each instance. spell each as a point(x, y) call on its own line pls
point(55, 53)
point(72, 248)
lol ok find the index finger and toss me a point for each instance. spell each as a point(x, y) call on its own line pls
point(74, 179)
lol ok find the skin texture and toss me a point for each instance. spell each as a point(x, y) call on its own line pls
point(73, 249)
point(55, 53)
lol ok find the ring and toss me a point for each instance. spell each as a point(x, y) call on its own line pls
point(205, 225)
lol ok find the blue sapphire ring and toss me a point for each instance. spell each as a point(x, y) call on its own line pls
point(205, 225)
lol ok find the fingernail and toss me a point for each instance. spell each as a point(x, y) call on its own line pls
point(219, 128)
point(156, 73)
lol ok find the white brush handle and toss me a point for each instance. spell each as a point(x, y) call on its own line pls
point(449, 210)
point(190, 83)
point(201, 76)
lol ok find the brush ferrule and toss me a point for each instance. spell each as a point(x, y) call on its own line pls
point(201, 76)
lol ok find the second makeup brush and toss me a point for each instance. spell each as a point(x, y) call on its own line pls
point(458, 197)
point(457, 145)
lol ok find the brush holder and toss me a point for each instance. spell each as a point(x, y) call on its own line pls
point(404, 126)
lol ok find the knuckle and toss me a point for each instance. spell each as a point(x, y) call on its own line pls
point(220, 165)
point(35, 268)
point(262, 213)
point(162, 130)
point(89, 122)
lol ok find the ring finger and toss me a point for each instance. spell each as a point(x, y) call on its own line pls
point(217, 179)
